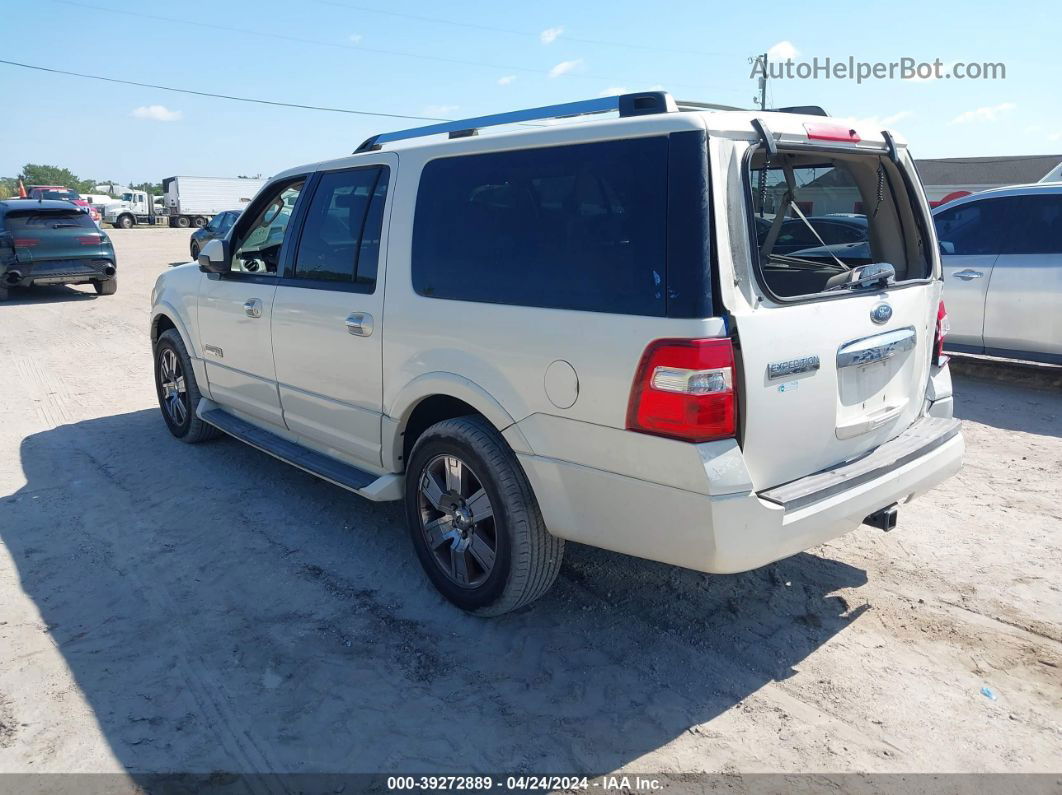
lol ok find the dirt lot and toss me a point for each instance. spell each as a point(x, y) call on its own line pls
point(169, 607)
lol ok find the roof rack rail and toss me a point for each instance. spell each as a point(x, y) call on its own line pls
point(641, 104)
point(685, 104)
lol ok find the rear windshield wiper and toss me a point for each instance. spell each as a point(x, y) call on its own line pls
point(784, 258)
point(876, 274)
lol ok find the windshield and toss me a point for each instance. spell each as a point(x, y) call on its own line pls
point(819, 217)
point(61, 195)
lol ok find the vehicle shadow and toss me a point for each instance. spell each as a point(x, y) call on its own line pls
point(1013, 408)
point(221, 611)
point(49, 294)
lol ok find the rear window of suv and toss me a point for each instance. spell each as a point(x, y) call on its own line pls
point(46, 219)
point(579, 227)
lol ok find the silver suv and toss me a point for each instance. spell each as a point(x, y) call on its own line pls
point(577, 332)
point(1002, 257)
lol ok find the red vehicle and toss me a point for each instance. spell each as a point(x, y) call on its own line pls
point(62, 193)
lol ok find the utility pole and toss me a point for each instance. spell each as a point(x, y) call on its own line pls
point(763, 83)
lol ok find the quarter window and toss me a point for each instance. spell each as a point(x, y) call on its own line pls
point(573, 227)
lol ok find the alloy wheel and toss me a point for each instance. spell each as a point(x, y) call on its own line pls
point(173, 388)
point(457, 521)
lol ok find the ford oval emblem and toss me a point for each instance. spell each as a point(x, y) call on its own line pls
point(881, 313)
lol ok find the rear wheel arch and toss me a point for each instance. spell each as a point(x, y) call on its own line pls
point(440, 396)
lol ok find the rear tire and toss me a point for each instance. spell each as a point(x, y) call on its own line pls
point(183, 222)
point(173, 371)
point(199, 222)
point(109, 287)
point(521, 559)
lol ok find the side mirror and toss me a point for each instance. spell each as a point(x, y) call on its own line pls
point(214, 258)
point(946, 247)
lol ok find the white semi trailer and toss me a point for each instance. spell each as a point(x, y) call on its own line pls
point(186, 201)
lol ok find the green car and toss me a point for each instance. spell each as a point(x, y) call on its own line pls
point(53, 242)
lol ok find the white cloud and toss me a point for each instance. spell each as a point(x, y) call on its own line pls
point(564, 67)
point(549, 35)
point(156, 113)
point(355, 38)
point(439, 110)
point(507, 80)
point(987, 113)
point(612, 91)
point(1055, 136)
point(782, 51)
point(874, 124)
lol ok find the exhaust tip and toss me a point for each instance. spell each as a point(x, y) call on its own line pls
point(109, 270)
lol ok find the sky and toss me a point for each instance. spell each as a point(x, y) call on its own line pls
point(462, 58)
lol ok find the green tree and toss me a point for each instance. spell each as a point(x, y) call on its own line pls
point(36, 174)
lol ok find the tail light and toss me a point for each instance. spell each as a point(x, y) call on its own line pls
point(943, 327)
point(831, 132)
point(685, 389)
point(90, 240)
point(26, 242)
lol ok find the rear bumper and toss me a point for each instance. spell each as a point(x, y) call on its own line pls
point(733, 532)
point(62, 271)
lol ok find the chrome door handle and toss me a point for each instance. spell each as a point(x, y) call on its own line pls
point(968, 274)
point(359, 324)
point(252, 307)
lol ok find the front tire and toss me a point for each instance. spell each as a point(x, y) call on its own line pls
point(178, 391)
point(195, 251)
point(474, 520)
point(126, 222)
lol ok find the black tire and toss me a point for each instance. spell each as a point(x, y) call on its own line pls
point(183, 222)
point(199, 222)
point(190, 428)
point(195, 251)
point(126, 222)
point(526, 558)
point(108, 287)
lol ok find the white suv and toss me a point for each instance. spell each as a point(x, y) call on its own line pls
point(580, 331)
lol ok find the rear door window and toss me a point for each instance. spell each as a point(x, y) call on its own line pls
point(1037, 225)
point(333, 235)
point(572, 227)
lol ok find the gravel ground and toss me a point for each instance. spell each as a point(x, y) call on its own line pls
point(175, 608)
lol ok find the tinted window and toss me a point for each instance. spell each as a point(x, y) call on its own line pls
point(51, 219)
point(369, 256)
point(975, 227)
point(331, 233)
point(1038, 226)
point(227, 220)
point(574, 227)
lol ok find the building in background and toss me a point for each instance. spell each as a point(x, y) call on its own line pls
point(948, 178)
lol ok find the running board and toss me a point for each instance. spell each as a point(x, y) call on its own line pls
point(366, 484)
